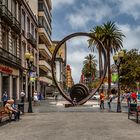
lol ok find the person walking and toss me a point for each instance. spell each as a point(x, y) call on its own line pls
point(102, 98)
point(109, 101)
point(134, 97)
point(128, 97)
point(4, 97)
point(22, 95)
point(36, 101)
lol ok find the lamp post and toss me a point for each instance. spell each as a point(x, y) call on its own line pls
point(118, 60)
point(29, 58)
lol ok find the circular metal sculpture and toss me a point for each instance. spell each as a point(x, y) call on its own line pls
point(78, 91)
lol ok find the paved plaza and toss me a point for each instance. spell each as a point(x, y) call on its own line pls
point(51, 121)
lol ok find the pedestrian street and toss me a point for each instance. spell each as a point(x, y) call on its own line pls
point(52, 121)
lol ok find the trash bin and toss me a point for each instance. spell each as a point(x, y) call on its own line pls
point(21, 107)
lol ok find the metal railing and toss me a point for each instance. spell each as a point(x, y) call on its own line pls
point(16, 24)
point(9, 56)
point(6, 13)
point(31, 39)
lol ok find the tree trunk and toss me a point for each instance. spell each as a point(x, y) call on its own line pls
point(100, 62)
point(109, 72)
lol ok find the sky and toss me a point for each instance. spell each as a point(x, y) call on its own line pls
point(70, 16)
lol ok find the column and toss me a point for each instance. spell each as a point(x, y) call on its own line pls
point(26, 83)
point(10, 86)
point(18, 85)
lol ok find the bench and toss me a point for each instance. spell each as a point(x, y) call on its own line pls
point(4, 116)
point(134, 110)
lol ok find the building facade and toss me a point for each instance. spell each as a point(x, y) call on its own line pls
point(29, 41)
point(69, 79)
point(60, 63)
point(25, 26)
point(10, 58)
point(45, 43)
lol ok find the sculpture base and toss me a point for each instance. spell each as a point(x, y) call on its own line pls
point(68, 105)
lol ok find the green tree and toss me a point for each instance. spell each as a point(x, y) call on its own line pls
point(112, 38)
point(130, 69)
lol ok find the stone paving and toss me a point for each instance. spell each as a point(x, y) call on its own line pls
point(74, 123)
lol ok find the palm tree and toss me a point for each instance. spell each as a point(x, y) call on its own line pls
point(112, 39)
point(97, 31)
point(89, 67)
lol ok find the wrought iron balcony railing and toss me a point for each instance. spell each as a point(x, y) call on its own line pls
point(31, 39)
point(16, 25)
point(6, 15)
point(9, 57)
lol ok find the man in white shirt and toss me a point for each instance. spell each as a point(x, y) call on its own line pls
point(22, 95)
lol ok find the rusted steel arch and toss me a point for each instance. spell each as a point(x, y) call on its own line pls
point(53, 66)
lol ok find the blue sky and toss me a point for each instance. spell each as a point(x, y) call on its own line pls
point(69, 16)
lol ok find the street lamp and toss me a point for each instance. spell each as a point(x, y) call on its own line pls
point(118, 60)
point(29, 57)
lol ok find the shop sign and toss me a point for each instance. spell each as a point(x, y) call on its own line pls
point(5, 69)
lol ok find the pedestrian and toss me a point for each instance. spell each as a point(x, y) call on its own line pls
point(4, 97)
point(109, 101)
point(122, 97)
point(35, 98)
point(102, 98)
point(128, 97)
point(22, 95)
point(17, 115)
point(134, 97)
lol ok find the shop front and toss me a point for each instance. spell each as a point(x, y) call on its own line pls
point(9, 82)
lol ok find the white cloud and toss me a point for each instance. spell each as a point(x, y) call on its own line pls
point(132, 36)
point(60, 3)
point(88, 12)
point(77, 50)
point(75, 60)
point(130, 7)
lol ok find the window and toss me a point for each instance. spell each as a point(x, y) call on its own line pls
point(19, 13)
point(28, 25)
point(14, 8)
point(5, 2)
point(36, 35)
point(23, 22)
point(14, 45)
point(32, 30)
point(5, 39)
point(23, 54)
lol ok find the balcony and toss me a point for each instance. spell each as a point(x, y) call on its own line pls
point(16, 26)
point(10, 58)
point(43, 11)
point(45, 51)
point(44, 35)
point(31, 40)
point(45, 80)
point(6, 15)
point(44, 65)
